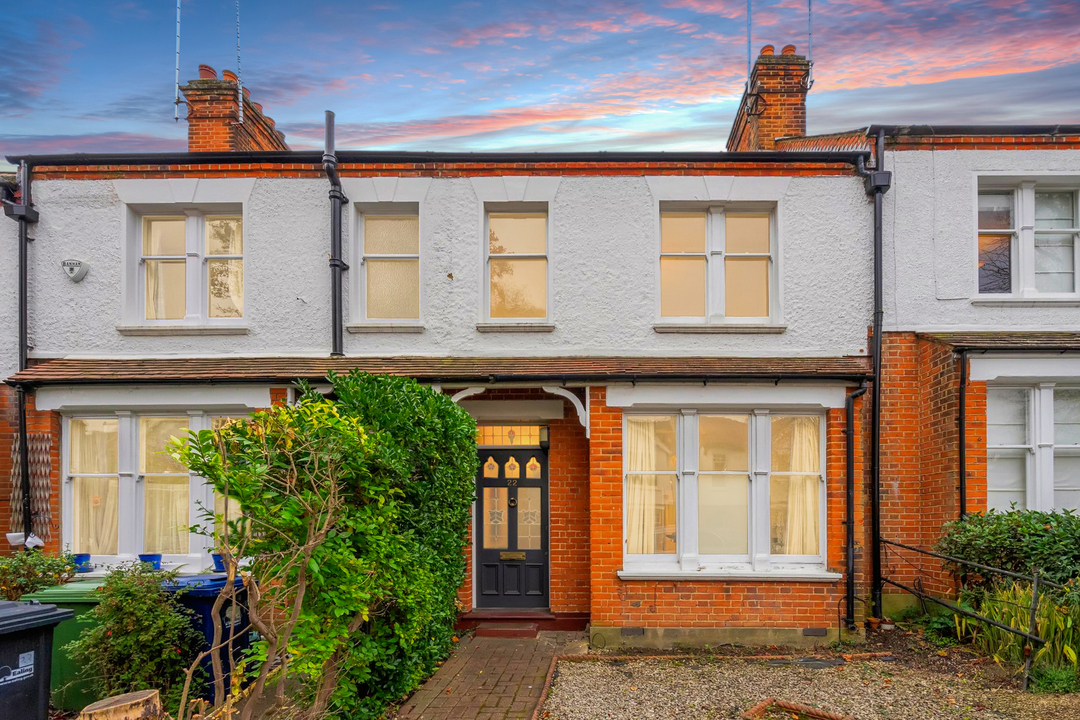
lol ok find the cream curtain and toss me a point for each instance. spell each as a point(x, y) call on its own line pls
point(802, 527)
point(155, 291)
point(640, 448)
point(166, 518)
point(94, 451)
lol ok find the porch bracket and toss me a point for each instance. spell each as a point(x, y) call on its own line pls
point(583, 416)
point(467, 392)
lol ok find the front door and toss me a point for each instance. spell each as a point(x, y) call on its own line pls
point(512, 528)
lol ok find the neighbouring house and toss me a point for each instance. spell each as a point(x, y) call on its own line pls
point(670, 356)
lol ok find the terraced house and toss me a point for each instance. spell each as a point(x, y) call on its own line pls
point(708, 385)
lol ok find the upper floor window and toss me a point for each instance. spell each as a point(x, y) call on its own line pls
point(192, 267)
point(390, 243)
point(1033, 447)
point(517, 264)
point(1027, 240)
point(716, 265)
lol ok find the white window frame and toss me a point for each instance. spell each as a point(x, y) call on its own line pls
point(759, 561)
point(1023, 232)
point(398, 209)
point(1040, 448)
point(516, 207)
point(197, 272)
point(131, 489)
point(715, 254)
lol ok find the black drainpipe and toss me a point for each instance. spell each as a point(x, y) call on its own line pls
point(337, 265)
point(962, 404)
point(849, 433)
point(24, 213)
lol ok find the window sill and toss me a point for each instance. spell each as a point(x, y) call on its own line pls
point(514, 327)
point(384, 328)
point(710, 328)
point(1026, 302)
point(720, 575)
point(159, 330)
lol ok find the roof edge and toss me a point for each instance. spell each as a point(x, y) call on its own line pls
point(973, 130)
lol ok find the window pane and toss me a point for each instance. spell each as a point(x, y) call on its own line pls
point(650, 514)
point(650, 443)
point(1054, 210)
point(391, 235)
point(682, 232)
point(794, 513)
point(723, 502)
point(165, 519)
point(1054, 262)
point(1066, 482)
point(517, 233)
point(226, 281)
point(228, 509)
point(1006, 416)
point(224, 236)
point(1067, 417)
point(746, 233)
point(1006, 479)
point(497, 435)
point(682, 287)
point(393, 288)
point(166, 289)
point(93, 446)
point(796, 444)
point(496, 522)
point(723, 442)
point(746, 287)
point(95, 514)
point(519, 288)
point(995, 263)
point(528, 518)
point(995, 211)
point(154, 435)
point(165, 236)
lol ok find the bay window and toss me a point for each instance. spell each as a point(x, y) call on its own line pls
point(724, 491)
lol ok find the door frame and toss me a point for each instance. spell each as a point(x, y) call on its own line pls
point(475, 554)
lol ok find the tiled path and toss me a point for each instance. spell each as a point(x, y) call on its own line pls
point(490, 679)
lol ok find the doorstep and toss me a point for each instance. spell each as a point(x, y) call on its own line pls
point(507, 629)
point(543, 618)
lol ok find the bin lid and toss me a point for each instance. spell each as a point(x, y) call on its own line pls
point(83, 591)
point(207, 585)
point(16, 616)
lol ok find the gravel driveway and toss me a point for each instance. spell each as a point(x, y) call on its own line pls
point(724, 688)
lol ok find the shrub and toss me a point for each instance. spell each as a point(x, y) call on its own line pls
point(31, 570)
point(1055, 680)
point(143, 637)
point(356, 511)
point(1018, 541)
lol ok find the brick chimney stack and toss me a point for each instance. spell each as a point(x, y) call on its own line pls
point(214, 117)
point(774, 106)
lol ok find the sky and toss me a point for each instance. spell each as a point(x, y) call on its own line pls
point(98, 76)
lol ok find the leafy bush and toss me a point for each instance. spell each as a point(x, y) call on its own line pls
point(1055, 680)
point(33, 570)
point(144, 638)
point(356, 511)
point(1018, 541)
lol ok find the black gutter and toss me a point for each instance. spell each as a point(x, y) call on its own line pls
point(973, 130)
point(396, 156)
point(877, 183)
point(849, 520)
point(24, 213)
point(962, 430)
point(337, 265)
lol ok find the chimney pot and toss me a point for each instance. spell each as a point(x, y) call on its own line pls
point(788, 50)
point(228, 75)
point(258, 106)
point(767, 50)
point(247, 93)
point(207, 73)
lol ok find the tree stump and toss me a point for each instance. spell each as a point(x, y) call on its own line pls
point(139, 705)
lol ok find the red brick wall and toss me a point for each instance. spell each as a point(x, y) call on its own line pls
point(9, 429)
point(214, 117)
point(776, 105)
point(641, 603)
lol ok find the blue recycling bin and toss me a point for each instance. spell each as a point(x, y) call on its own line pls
point(199, 594)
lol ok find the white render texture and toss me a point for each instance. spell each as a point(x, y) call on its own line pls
point(9, 297)
point(930, 239)
point(603, 259)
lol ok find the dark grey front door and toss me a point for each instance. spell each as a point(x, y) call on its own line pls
point(512, 528)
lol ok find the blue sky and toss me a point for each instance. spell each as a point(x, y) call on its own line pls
point(665, 75)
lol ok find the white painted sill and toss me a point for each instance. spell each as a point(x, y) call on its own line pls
point(721, 328)
point(512, 327)
point(161, 330)
point(1026, 302)
point(384, 328)
point(719, 575)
